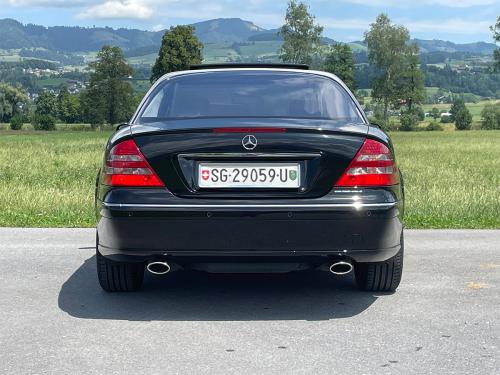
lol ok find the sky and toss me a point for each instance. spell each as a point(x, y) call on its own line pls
point(459, 21)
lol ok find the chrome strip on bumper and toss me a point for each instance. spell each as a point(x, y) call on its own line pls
point(356, 206)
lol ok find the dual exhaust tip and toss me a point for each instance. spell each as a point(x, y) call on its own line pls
point(158, 268)
point(341, 268)
point(337, 268)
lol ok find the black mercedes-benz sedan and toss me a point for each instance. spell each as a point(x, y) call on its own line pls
point(249, 169)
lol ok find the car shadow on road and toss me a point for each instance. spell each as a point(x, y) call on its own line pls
point(199, 296)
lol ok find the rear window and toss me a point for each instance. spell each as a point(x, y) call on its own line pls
point(249, 94)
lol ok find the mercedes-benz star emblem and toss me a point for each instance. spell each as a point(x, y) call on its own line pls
point(249, 142)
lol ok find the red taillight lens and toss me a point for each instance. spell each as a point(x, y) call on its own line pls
point(373, 165)
point(126, 166)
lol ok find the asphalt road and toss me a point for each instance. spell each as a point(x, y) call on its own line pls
point(444, 319)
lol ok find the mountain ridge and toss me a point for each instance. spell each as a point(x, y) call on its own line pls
point(70, 39)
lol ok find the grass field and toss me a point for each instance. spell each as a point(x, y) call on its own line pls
point(46, 179)
point(452, 178)
point(145, 59)
point(52, 82)
point(259, 49)
point(475, 109)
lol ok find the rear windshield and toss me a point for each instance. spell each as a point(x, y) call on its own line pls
point(249, 94)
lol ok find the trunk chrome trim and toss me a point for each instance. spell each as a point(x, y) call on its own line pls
point(356, 205)
point(298, 155)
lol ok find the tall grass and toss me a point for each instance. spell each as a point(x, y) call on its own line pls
point(47, 179)
point(452, 179)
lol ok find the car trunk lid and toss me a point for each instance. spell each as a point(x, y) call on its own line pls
point(321, 149)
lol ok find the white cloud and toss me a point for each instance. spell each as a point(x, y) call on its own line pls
point(159, 14)
point(250, 10)
point(158, 27)
point(118, 9)
point(344, 23)
point(450, 26)
point(410, 3)
point(48, 3)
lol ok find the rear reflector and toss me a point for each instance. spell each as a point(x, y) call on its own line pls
point(373, 165)
point(249, 130)
point(126, 166)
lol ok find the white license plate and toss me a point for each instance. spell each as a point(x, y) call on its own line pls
point(230, 175)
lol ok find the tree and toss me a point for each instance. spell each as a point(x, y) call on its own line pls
point(68, 106)
point(496, 37)
point(339, 61)
point(435, 113)
point(5, 108)
point(387, 52)
point(108, 97)
point(411, 82)
point(46, 104)
point(490, 116)
point(179, 49)
point(301, 36)
point(458, 104)
point(463, 119)
point(12, 102)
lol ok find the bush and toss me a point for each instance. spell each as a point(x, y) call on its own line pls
point(419, 112)
point(43, 122)
point(435, 113)
point(490, 117)
point(463, 119)
point(434, 126)
point(446, 119)
point(391, 126)
point(409, 122)
point(16, 123)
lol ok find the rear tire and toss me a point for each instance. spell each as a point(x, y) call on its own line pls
point(118, 276)
point(381, 276)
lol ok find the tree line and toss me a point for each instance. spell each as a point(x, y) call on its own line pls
point(393, 71)
point(108, 98)
point(395, 75)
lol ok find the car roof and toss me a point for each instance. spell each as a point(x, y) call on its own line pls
point(248, 65)
point(265, 68)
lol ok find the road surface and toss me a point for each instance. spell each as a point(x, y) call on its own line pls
point(444, 319)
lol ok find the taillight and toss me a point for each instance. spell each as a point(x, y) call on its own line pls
point(373, 165)
point(126, 166)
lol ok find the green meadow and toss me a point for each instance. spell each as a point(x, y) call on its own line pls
point(452, 179)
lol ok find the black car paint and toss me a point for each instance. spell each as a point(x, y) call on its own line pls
point(133, 226)
point(312, 225)
point(322, 155)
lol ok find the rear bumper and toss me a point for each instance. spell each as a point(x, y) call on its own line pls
point(366, 231)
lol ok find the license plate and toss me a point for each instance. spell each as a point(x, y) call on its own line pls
point(230, 175)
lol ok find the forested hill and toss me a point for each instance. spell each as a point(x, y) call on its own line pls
point(15, 35)
point(71, 39)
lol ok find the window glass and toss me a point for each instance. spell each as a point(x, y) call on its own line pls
point(249, 94)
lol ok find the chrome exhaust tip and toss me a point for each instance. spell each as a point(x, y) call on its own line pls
point(158, 268)
point(341, 268)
